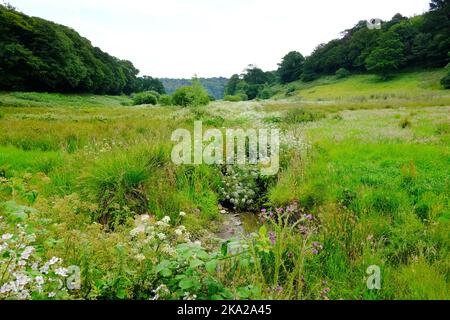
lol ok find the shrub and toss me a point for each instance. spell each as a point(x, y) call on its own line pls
point(290, 91)
point(165, 100)
point(24, 275)
point(191, 96)
point(235, 98)
point(309, 76)
point(265, 94)
point(446, 81)
point(117, 183)
point(342, 73)
point(302, 116)
point(243, 188)
point(169, 265)
point(148, 97)
point(243, 95)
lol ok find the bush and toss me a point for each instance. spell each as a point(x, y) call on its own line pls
point(165, 100)
point(117, 183)
point(342, 73)
point(265, 94)
point(243, 95)
point(446, 81)
point(191, 96)
point(243, 189)
point(302, 116)
point(24, 274)
point(290, 91)
point(309, 76)
point(235, 98)
point(147, 97)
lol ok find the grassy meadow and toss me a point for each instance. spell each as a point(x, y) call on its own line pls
point(364, 172)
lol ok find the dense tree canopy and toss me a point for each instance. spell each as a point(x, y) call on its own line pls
point(39, 55)
point(420, 42)
point(291, 67)
point(388, 57)
point(215, 86)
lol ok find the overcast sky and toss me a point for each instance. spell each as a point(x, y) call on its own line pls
point(180, 38)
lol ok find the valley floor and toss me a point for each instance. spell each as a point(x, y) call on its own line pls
point(365, 175)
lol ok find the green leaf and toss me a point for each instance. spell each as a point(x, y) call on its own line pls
point(17, 212)
point(186, 284)
point(121, 293)
point(227, 294)
point(243, 292)
point(203, 255)
point(195, 263)
point(166, 273)
point(163, 266)
point(211, 266)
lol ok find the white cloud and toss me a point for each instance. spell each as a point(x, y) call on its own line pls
point(176, 38)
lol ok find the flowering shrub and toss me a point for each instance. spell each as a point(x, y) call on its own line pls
point(167, 264)
point(243, 188)
point(23, 274)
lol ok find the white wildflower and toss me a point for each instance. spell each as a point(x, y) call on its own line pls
point(7, 236)
point(39, 280)
point(166, 219)
point(182, 214)
point(61, 272)
point(161, 236)
point(139, 229)
point(26, 253)
point(24, 294)
point(22, 280)
point(45, 268)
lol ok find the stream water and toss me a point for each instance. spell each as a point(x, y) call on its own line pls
point(237, 225)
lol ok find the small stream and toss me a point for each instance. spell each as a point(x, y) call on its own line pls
point(237, 225)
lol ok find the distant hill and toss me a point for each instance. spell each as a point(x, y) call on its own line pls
point(215, 86)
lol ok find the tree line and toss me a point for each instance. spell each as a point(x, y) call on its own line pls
point(214, 86)
point(39, 55)
point(421, 41)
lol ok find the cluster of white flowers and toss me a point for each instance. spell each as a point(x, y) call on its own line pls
point(22, 273)
point(238, 187)
point(150, 237)
point(188, 296)
point(161, 291)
